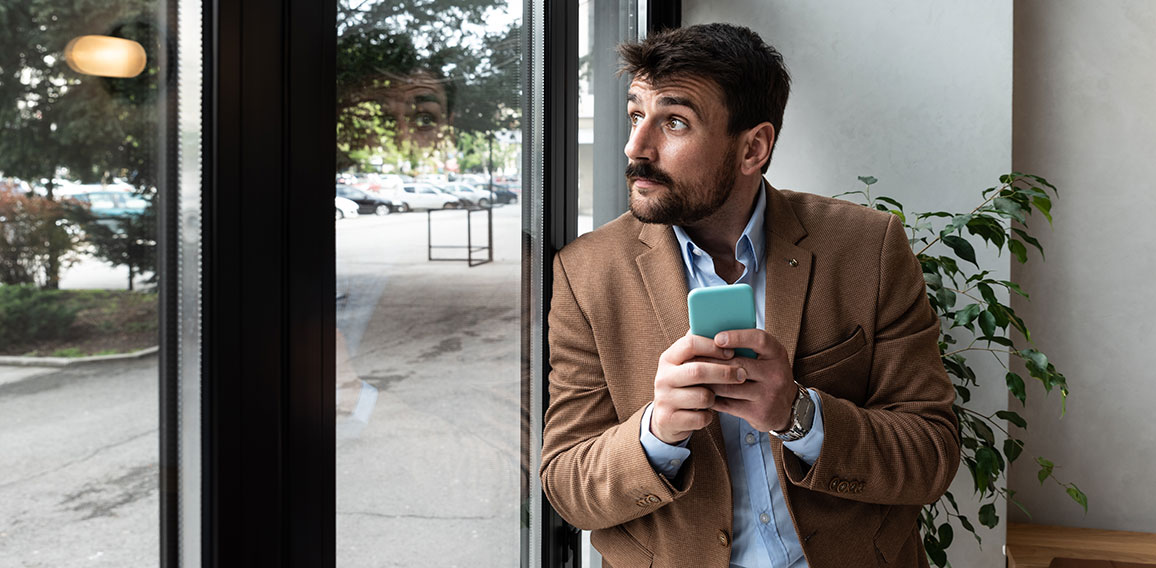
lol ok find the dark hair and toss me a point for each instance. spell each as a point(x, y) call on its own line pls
point(750, 73)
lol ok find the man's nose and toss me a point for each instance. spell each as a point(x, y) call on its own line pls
point(640, 145)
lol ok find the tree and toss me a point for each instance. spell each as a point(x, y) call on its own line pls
point(54, 120)
point(382, 47)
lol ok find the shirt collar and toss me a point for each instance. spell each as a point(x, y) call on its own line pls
point(751, 245)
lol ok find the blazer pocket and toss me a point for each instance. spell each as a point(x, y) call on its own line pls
point(619, 548)
point(830, 356)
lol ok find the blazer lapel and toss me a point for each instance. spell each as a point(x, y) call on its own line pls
point(664, 275)
point(788, 271)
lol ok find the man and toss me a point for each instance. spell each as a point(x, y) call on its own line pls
point(672, 450)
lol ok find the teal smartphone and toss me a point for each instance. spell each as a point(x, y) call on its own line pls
point(721, 308)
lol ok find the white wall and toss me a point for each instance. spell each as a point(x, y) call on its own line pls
point(1085, 118)
point(917, 94)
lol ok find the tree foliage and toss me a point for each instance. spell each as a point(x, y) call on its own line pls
point(975, 319)
point(382, 44)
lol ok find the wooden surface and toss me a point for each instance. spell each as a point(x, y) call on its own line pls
point(1035, 546)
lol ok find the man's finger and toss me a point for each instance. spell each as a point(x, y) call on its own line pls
point(705, 373)
point(743, 391)
point(690, 346)
point(757, 340)
point(690, 398)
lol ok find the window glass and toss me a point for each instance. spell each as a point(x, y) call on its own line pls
point(430, 459)
point(83, 106)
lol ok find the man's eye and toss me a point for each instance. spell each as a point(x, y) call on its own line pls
point(634, 118)
point(424, 120)
point(676, 124)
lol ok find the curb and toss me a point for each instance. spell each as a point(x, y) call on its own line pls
point(70, 361)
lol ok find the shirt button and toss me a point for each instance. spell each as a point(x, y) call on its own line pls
point(675, 462)
point(765, 518)
point(696, 252)
point(751, 438)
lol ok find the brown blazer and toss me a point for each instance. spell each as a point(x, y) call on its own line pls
point(845, 296)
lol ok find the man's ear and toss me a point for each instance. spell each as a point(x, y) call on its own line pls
point(757, 144)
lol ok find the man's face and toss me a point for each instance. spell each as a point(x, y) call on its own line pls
point(417, 105)
point(683, 164)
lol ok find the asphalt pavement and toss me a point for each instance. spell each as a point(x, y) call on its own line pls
point(428, 429)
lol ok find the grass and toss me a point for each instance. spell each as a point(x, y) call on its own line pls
point(109, 322)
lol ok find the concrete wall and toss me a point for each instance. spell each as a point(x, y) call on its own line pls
point(917, 94)
point(1085, 118)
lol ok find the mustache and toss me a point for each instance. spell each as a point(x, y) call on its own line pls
point(635, 170)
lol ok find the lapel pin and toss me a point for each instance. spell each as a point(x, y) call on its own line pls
point(793, 263)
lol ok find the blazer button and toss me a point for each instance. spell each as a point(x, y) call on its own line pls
point(843, 486)
point(834, 485)
point(653, 498)
point(723, 539)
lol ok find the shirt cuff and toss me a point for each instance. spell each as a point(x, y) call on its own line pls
point(664, 458)
point(808, 447)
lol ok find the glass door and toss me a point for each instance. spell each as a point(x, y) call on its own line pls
point(432, 205)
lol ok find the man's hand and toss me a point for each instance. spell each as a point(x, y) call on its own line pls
point(683, 395)
point(765, 399)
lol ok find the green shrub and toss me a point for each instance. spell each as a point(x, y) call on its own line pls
point(28, 314)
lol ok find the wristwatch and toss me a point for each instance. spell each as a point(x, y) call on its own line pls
point(802, 417)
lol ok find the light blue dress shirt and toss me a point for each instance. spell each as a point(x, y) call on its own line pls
point(764, 534)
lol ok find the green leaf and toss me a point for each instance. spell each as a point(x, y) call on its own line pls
point(1076, 495)
point(897, 204)
point(933, 280)
point(1037, 362)
point(1009, 208)
point(1019, 250)
point(964, 393)
point(1012, 448)
point(1030, 240)
point(967, 315)
point(988, 516)
point(1045, 206)
point(966, 524)
point(946, 298)
point(987, 323)
point(1012, 417)
point(951, 499)
point(934, 553)
point(1046, 468)
point(1014, 287)
point(962, 248)
point(987, 293)
point(1015, 384)
point(946, 535)
point(984, 432)
point(868, 180)
point(863, 193)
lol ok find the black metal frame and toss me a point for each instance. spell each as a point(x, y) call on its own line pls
point(561, 542)
point(469, 246)
point(663, 14)
point(168, 240)
point(268, 324)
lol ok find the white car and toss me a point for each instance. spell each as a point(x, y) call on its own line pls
point(345, 208)
point(469, 194)
point(422, 196)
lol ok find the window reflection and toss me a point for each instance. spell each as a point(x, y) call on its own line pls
point(428, 341)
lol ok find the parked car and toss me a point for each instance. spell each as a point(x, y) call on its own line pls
point(414, 196)
point(105, 201)
point(501, 194)
point(470, 195)
point(366, 202)
point(345, 208)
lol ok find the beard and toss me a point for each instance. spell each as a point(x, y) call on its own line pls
point(682, 203)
